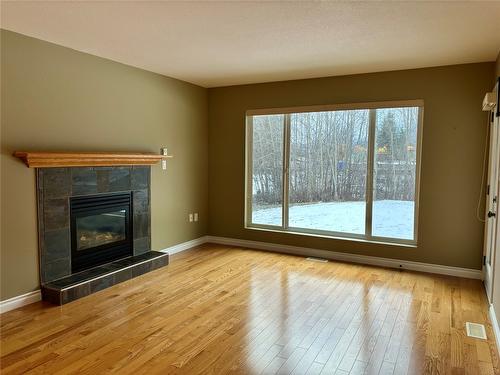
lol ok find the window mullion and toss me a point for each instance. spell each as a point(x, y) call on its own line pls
point(286, 169)
point(370, 172)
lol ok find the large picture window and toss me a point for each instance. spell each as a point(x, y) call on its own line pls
point(342, 171)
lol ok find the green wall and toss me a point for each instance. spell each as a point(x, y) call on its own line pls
point(497, 66)
point(453, 141)
point(55, 98)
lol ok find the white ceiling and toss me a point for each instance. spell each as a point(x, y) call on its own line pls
point(227, 43)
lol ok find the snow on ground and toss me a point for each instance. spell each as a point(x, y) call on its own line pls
point(390, 218)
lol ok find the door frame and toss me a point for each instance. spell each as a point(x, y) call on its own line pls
point(492, 224)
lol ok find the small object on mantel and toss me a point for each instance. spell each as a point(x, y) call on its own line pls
point(87, 159)
point(164, 152)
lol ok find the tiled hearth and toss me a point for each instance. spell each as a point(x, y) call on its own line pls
point(55, 189)
point(86, 282)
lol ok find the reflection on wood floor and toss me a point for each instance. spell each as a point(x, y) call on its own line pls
point(223, 310)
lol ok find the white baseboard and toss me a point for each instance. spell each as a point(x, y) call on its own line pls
point(494, 325)
point(19, 301)
point(185, 245)
point(352, 258)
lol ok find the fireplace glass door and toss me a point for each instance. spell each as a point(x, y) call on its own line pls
point(101, 229)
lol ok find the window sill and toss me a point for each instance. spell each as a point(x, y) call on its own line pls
point(374, 240)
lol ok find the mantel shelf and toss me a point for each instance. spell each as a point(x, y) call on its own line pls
point(87, 159)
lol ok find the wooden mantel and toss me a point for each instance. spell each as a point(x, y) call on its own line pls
point(87, 159)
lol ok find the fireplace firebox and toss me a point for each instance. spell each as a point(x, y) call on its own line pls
point(101, 229)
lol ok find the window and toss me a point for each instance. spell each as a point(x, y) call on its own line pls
point(343, 171)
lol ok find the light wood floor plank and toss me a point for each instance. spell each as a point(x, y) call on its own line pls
point(225, 310)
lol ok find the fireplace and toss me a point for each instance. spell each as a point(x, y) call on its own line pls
point(94, 228)
point(101, 229)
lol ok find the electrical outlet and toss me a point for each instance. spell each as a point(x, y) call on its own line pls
point(190, 218)
point(196, 216)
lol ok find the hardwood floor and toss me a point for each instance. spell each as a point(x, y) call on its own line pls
point(223, 310)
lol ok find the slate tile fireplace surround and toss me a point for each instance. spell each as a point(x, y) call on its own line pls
point(94, 228)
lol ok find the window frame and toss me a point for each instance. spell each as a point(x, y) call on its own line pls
point(284, 227)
